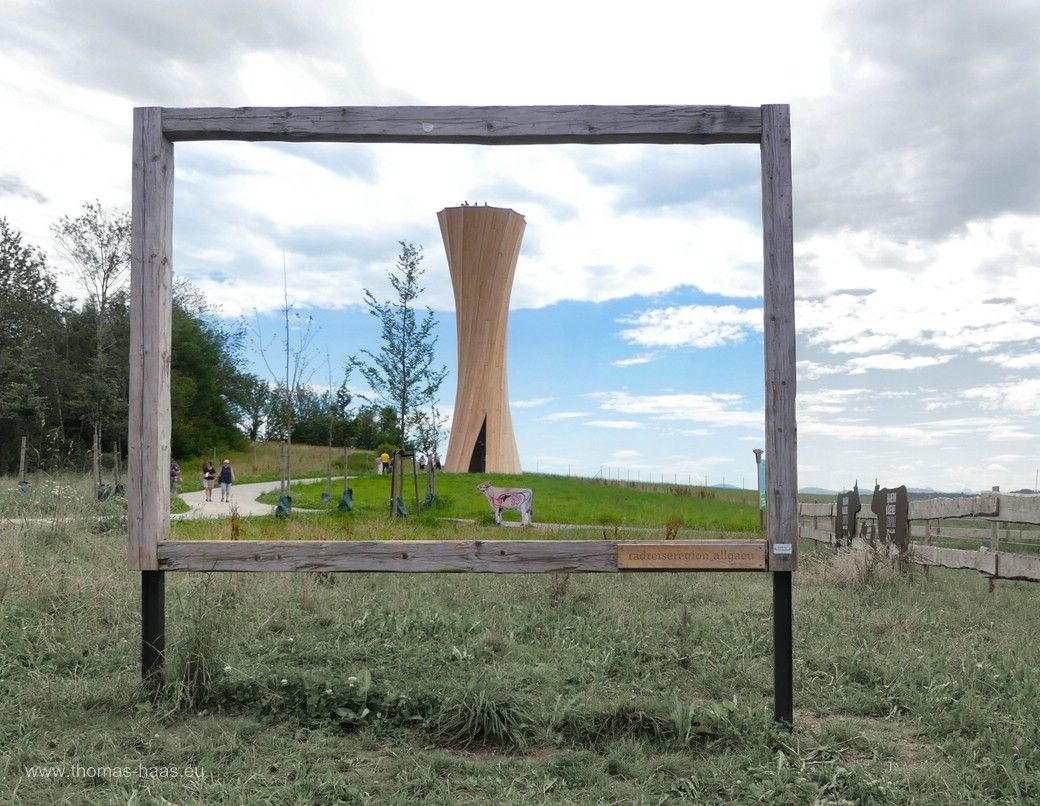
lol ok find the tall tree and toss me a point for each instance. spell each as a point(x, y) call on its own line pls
point(30, 333)
point(251, 398)
point(97, 244)
point(402, 372)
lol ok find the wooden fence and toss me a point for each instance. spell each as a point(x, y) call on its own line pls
point(1009, 516)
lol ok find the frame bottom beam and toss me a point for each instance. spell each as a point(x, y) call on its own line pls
point(473, 556)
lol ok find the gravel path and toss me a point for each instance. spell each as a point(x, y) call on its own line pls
point(243, 496)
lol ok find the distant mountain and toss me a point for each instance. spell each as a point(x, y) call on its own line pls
point(913, 492)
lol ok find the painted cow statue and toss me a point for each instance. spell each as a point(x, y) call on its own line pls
point(518, 499)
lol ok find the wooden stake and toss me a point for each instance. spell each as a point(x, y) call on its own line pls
point(994, 546)
point(21, 461)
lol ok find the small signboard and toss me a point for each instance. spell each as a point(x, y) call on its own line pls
point(694, 555)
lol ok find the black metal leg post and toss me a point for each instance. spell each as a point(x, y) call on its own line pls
point(783, 649)
point(153, 626)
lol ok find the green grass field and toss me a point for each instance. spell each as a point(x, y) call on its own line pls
point(580, 689)
point(557, 499)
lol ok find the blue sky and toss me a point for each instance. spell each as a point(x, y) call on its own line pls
point(635, 335)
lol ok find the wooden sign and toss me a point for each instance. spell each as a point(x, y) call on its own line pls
point(707, 555)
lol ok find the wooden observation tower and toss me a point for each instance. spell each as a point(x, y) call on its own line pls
point(482, 245)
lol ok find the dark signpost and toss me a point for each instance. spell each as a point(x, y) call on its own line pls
point(892, 507)
point(845, 525)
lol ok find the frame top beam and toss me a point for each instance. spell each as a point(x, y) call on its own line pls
point(482, 125)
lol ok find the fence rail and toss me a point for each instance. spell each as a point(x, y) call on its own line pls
point(817, 521)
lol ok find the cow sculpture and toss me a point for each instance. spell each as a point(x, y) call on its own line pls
point(518, 499)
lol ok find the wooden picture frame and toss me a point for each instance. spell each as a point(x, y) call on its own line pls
point(156, 129)
point(150, 550)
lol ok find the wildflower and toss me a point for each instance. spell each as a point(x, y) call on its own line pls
point(227, 668)
point(285, 682)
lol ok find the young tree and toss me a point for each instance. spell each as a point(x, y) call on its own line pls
point(402, 373)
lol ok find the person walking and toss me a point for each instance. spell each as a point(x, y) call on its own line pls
point(227, 478)
point(209, 475)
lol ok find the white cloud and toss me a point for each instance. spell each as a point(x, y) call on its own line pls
point(895, 362)
point(1015, 397)
point(627, 453)
point(718, 409)
point(564, 415)
point(1027, 361)
point(531, 403)
point(634, 361)
point(621, 425)
point(692, 326)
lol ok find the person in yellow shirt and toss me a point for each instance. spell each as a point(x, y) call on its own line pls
point(384, 457)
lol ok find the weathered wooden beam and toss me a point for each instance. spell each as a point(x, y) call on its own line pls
point(966, 507)
point(151, 282)
point(815, 510)
point(484, 125)
point(781, 430)
point(689, 555)
point(427, 556)
point(983, 560)
point(1019, 566)
point(1017, 508)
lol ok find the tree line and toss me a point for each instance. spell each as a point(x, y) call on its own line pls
point(64, 364)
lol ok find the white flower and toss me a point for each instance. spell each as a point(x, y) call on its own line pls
point(227, 668)
point(285, 682)
point(328, 691)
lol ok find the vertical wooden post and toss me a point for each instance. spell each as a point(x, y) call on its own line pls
point(927, 542)
point(415, 482)
point(153, 627)
point(994, 546)
point(21, 460)
point(151, 275)
point(393, 485)
point(780, 431)
point(95, 453)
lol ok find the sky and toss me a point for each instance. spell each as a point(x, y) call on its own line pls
point(635, 341)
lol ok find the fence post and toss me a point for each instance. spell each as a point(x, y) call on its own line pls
point(927, 542)
point(994, 546)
